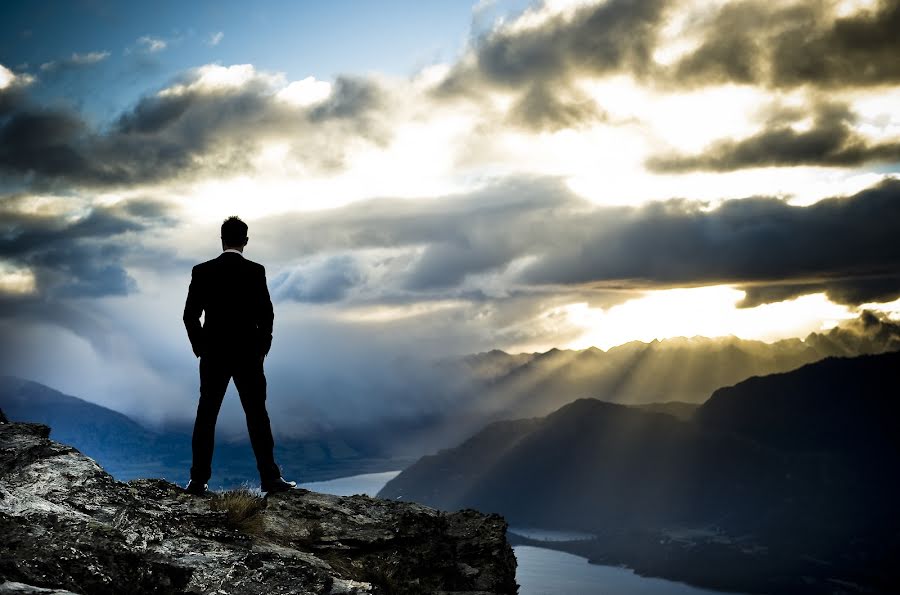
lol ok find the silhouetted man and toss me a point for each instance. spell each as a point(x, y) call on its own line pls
point(232, 342)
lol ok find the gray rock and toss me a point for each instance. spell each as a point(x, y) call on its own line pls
point(68, 526)
point(11, 588)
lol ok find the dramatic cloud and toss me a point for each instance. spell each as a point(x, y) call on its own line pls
point(844, 242)
point(854, 290)
point(537, 233)
point(212, 121)
point(796, 43)
point(542, 61)
point(598, 39)
point(322, 280)
point(830, 140)
point(78, 257)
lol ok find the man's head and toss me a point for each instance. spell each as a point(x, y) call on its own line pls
point(234, 233)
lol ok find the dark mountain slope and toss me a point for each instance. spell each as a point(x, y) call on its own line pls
point(100, 432)
point(837, 404)
point(591, 465)
point(794, 475)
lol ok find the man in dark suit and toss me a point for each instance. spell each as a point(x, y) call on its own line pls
point(232, 342)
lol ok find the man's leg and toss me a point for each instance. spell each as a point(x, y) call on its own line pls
point(250, 381)
point(214, 377)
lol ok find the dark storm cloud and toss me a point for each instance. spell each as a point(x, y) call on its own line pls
point(786, 45)
point(752, 42)
point(841, 242)
point(11, 99)
point(543, 109)
point(542, 62)
point(196, 130)
point(850, 291)
point(82, 258)
point(43, 143)
point(351, 97)
point(607, 37)
point(845, 246)
point(831, 141)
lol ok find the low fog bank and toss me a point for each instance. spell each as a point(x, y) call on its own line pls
point(367, 386)
point(361, 379)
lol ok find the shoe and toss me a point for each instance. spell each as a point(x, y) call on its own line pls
point(278, 485)
point(196, 488)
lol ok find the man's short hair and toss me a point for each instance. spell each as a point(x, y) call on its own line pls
point(234, 231)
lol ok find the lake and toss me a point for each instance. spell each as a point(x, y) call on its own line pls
point(540, 571)
point(367, 483)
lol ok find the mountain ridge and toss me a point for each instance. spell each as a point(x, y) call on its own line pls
point(678, 369)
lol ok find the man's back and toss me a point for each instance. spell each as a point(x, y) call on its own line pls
point(231, 343)
point(232, 291)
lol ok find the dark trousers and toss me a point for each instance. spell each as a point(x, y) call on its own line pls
point(215, 373)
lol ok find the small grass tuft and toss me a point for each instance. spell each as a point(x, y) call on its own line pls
point(242, 508)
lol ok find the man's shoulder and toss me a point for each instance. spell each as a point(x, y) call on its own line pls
point(204, 266)
point(255, 265)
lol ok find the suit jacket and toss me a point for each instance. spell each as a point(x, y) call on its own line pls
point(232, 291)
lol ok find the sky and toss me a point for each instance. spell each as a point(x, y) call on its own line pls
point(429, 179)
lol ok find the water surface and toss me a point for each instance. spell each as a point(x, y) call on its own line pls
point(367, 483)
point(548, 572)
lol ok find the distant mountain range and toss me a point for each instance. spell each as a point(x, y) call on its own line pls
point(502, 385)
point(790, 473)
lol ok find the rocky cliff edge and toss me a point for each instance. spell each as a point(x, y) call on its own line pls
point(67, 526)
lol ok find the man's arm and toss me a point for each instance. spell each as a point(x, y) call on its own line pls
point(265, 315)
point(193, 308)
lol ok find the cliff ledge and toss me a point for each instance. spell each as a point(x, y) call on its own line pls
point(68, 526)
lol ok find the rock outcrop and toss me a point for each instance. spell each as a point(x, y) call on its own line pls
point(68, 526)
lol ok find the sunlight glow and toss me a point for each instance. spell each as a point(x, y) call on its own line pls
point(535, 16)
point(703, 311)
point(891, 309)
point(687, 121)
point(877, 113)
point(6, 77)
point(419, 161)
point(16, 280)
point(845, 8)
point(308, 91)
